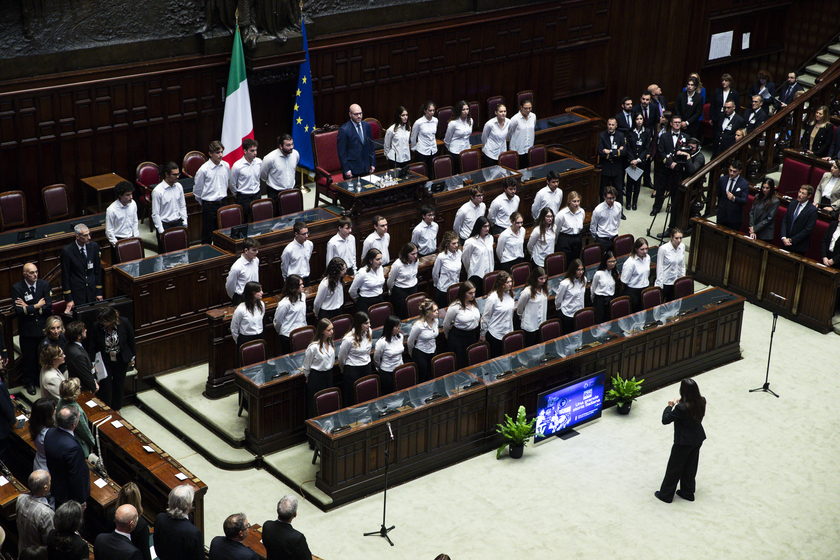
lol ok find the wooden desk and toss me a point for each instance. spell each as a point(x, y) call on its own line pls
point(359, 196)
point(753, 269)
point(254, 541)
point(9, 492)
point(100, 184)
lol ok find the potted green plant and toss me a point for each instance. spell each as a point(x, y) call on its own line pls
point(624, 392)
point(516, 432)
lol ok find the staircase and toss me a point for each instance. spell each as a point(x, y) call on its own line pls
point(819, 65)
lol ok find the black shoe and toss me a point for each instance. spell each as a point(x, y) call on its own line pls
point(654, 212)
point(661, 497)
point(635, 207)
point(685, 495)
point(623, 217)
point(653, 195)
point(30, 389)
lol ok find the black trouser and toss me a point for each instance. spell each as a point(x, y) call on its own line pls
point(398, 296)
point(350, 376)
point(29, 355)
point(496, 230)
point(236, 299)
point(523, 160)
point(424, 364)
point(682, 469)
point(442, 299)
point(166, 226)
point(386, 382)
point(318, 381)
point(632, 191)
point(329, 313)
point(668, 292)
point(112, 388)
point(532, 338)
point(566, 322)
point(459, 341)
point(487, 161)
point(606, 243)
point(570, 244)
point(478, 282)
point(364, 303)
point(506, 266)
point(429, 161)
point(602, 308)
point(635, 298)
point(209, 220)
point(245, 200)
point(285, 344)
point(496, 347)
point(618, 183)
point(665, 181)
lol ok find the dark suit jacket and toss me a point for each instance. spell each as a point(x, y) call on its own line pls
point(826, 253)
point(81, 279)
point(638, 146)
point(66, 463)
point(771, 89)
point(223, 548)
point(79, 365)
point(724, 138)
point(111, 546)
point(7, 411)
point(139, 536)
point(787, 92)
point(754, 119)
point(653, 116)
point(822, 142)
point(352, 153)
point(730, 212)
point(691, 114)
point(78, 548)
point(716, 104)
point(799, 231)
point(686, 430)
point(284, 542)
point(126, 335)
point(177, 539)
point(763, 217)
point(31, 321)
point(665, 148)
point(621, 121)
point(612, 165)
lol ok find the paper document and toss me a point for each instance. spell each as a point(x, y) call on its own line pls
point(634, 173)
point(721, 45)
point(99, 366)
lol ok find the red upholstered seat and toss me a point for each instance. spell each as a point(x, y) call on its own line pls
point(341, 325)
point(55, 202)
point(549, 330)
point(443, 166)
point(327, 401)
point(591, 255)
point(513, 341)
point(289, 202)
point(817, 173)
point(623, 245)
point(192, 162)
point(555, 263)
point(536, 155)
point(147, 177)
point(584, 318)
point(130, 249)
point(683, 287)
point(470, 160)
point(523, 96)
point(706, 127)
point(174, 239)
point(327, 164)
point(12, 210)
point(619, 307)
point(229, 216)
point(378, 312)
point(419, 167)
point(301, 337)
point(58, 307)
point(489, 280)
point(777, 225)
point(252, 352)
point(478, 352)
point(366, 388)
point(443, 364)
point(745, 214)
point(262, 209)
point(520, 273)
point(815, 248)
point(375, 128)
point(413, 302)
point(475, 113)
point(452, 292)
point(405, 376)
point(509, 159)
point(794, 175)
point(493, 102)
point(444, 115)
point(651, 297)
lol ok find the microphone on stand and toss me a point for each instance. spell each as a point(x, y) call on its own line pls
point(390, 431)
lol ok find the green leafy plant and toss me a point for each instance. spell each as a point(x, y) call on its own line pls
point(516, 432)
point(624, 390)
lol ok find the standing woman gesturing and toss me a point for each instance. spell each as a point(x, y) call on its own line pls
point(687, 414)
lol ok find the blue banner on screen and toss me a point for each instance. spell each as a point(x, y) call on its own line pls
point(562, 408)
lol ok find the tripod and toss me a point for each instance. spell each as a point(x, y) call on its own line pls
point(675, 180)
point(766, 387)
point(383, 532)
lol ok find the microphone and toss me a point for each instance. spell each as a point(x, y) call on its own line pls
point(390, 431)
point(778, 296)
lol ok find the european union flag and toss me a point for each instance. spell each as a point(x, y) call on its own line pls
point(304, 115)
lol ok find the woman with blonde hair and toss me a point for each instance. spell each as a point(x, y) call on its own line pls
point(69, 390)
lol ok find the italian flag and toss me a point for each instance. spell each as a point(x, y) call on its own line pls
point(237, 124)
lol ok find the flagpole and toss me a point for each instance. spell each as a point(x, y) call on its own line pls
point(303, 186)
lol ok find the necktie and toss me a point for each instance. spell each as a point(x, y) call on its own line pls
point(646, 115)
point(629, 120)
point(359, 130)
point(796, 212)
point(731, 184)
point(84, 253)
point(32, 290)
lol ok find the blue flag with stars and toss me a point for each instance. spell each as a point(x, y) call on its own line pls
point(304, 115)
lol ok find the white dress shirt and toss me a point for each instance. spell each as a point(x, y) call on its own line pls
point(373, 241)
point(168, 204)
point(351, 354)
point(545, 197)
point(425, 237)
point(605, 220)
point(403, 275)
point(478, 256)
point(447, 269)
point(670, 264)
point(387, 356)
point(541, 246)
point(522, 132)
point(295, 258)
point(245, 177)
point(278, 169)
point(317, 359)
point(465, 319)
point(240, 274)
point(635, 273)
point(423, 337)
point(367, 283)
point(290, 316)
point(498, 315)
point(569, 222)
point(510, 245)
point(501, 209)
point(246, 323)
point(121, 221)
point(570, 297)
point(465, 218)
point(211, 181)
point(603, 284)
point(397, 144)
point(423, 136)
point(457, 137)
point(494, 138)
point(342, 248)
point(326, 299)
point(532, 311)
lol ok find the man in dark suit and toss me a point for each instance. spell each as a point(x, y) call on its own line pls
point(281, 540)
point(230, 546)
point(65, 459)
point(81, 270)
point(657, 100)
point(754, 115)
point(732, 193)
point(176, 538)
point(725, 128)
point(787, 92)
point(624, 118)
point(689, 106)
point(611, 149)
point(78, 360)
point(669, 155)
point(117, 545)
point(33, 305)
point(355, 146)
point(799, 222)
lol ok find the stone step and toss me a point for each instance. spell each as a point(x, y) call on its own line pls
point(834, 49)
point(827, 58)
point(816, 69)
point(807, 80)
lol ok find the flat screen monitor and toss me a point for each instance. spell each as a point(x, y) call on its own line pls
point(561, 409)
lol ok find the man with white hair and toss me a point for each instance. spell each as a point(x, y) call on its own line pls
point(176, 538)
point(81, 270)
point(281, 540)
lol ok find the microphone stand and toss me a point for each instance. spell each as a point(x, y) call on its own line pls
point(383, 532)
point(766, 387)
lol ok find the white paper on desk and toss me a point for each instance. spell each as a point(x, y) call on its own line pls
point(22, 417)
point(3, 481)
point(117, 424)
point(634, 173)
point(100, 483)
point(91, 404)
point(99, 366)
point(181, 476)
point(373, 179)
point(148, 449)
point(721, 45)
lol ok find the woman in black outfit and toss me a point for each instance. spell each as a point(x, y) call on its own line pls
point(763, 212)
point(817, 134)
point(113, 337)
point(687, 414)
point(638, 154)
point(64, 541)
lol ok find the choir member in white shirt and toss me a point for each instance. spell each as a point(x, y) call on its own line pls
point(366, 289)
point(329, 299)
point(458, 131)
point(570, 295)
point(425, 233)
point(503, 207)
point(121, 215)
point(422, 340)
point(570, 227)
point(423, 133)
point(494, 137)
point(354, 355)
point(169, 207)
point(532, 306)
point(670, 263)
point(550, 195)
point(379, 239)
point(447, 268)
point(211, 188)
point(291, 311)
point(541, 242)
point(388, 353)
point(247, 322)
point(296, 255)
point(635, 273)
point(245, 269)
point(605, 220)
point(521, 133)
point(245, 177)
point(343, 245)
point(318, 363)
point(497, 319)
point(468, 213)
point(278, 167)
point(510, 247)
point(397, 139)
point(461, 323)
point(402, 279)
point(603, 287)
point(478, 254)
